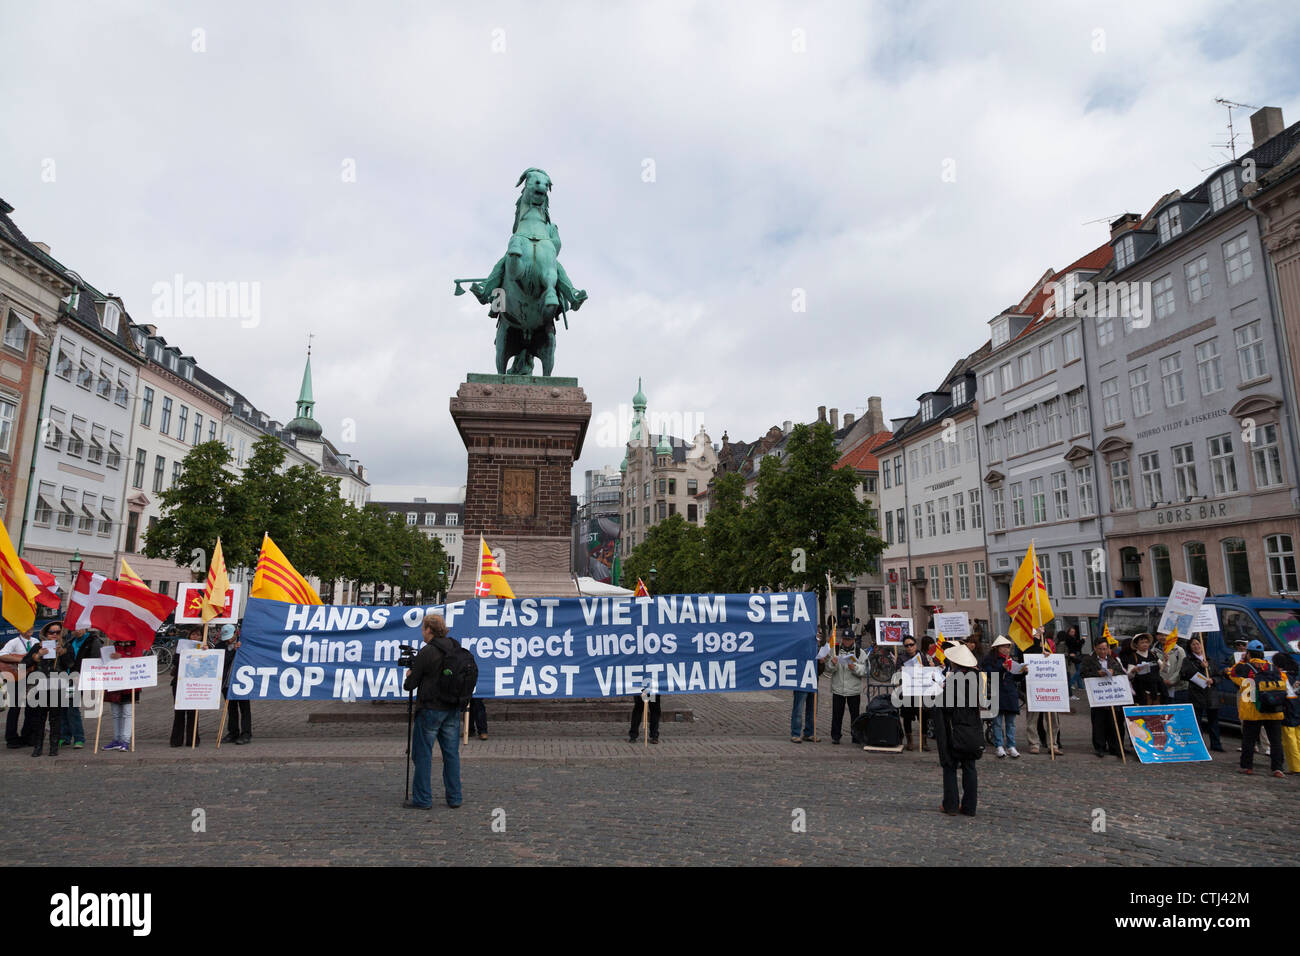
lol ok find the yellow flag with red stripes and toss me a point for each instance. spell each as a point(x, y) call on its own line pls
point(277, 580)
point(491, 581)
point(1029, 606)
point(641, 589)
point(128, 576)
point(213, 602)
point(19, 604)
point(939, 655)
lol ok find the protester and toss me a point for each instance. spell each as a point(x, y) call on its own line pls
point(45, 708)
point(239, 713)
point(1043, 644)
point(638, 708)
point(1171, 673)
point(478, 717)
point(183, 721)
point(972, 642)
point(803, 717)
point(11, 662)
point(1105, 729)
point(1203, 699)
point(75, 648)
point(1259, 681)
point(1073, 655)
point(998, 662)
point(122, 702)
point(1290, 713)
point(436, 717)
point(848, 672)
point(959, 737)
point(909, 659)
point(1148, 688)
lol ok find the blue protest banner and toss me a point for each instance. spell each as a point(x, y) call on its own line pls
point(535, 648)
point(1165, 733)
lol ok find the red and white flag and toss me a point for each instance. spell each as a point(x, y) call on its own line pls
point(45, 584)
point(124, 612)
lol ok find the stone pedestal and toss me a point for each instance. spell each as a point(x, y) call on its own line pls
point(522, 434)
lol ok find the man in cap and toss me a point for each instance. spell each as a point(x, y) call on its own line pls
point(848, 672)
point(1258, 677)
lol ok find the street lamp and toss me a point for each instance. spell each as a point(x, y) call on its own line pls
point(406, 573)
point(74, 569)
point(654, 574)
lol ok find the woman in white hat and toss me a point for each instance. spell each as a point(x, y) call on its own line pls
point(959, 732)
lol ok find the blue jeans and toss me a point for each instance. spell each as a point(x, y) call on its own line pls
point(803, 700)
point(73, 727)
point(444, 726)
point(1007, 720)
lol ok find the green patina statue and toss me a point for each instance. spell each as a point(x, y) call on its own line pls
point(528, 287)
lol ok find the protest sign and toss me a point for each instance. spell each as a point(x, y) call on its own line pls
point(1207, 619)
point(1165, 733)
point(1180, 608)
point(890, 631)
point(954, 625)
point(125, 673)
point(536, 647)
point(198, 684)
point(1108, 691)
point(1047, 687)
point(189, 595)
point(924, 682)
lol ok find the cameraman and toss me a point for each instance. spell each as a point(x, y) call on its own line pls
point(435, 717)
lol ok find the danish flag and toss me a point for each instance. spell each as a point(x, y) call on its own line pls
point(45, 584)
point(124, 612)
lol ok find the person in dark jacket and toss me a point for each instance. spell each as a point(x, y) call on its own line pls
point(997, 662)
point(239, 713)
point(47, 707)
point(1105, 730)
point(435, 718)
point(959, 735)
point(183, 733)
point(1148, 687)
point(1073, 655)
point(76, 647)
point(1204, 700)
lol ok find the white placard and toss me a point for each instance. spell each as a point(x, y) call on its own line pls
point(1108, 691)
point(1207, 619)
point(188, 596)
point(50, 650)
point(1014, 666)
point(125, 673)
point(890, 631)
point(1200, 680)
point(106, 652)
point(1046, 684)
point(1180, 608)
point(925, 682)
point(198, 686)
point(955, 624)
point(185, 644)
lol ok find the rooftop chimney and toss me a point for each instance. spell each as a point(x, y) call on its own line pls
point(848, 419)
point(1123, 224)
point(44, 247)
point(835, 419)
point(875, 417)
point(821, 413)
point(1265, 124)
point(787, 426)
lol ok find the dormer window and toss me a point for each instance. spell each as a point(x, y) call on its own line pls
point(1223, 190)
point(155, 352)
point(1124, 253)
point(959, 393)
point(1170, 223)
point(1001, 332)
point(111, 314)
point(139, 337)
point(927, 409)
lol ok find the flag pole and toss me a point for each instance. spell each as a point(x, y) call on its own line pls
point(1042, 643)
point(132, 720)
point(100, 722)
point(1120, 738)
point(194, 741)
point(221, 727)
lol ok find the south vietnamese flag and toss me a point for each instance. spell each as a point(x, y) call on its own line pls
point(641, 589)
point(491, 582)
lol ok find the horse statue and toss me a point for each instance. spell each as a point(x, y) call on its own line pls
point(528, 288)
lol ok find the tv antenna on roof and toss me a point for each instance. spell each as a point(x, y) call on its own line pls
point(1231, 144)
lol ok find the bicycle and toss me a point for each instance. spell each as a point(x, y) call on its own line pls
point(884, 662)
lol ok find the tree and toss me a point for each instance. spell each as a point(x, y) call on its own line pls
point(728, 538)
point(675, 549)
point(202, 504)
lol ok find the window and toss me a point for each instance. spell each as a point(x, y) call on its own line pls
point(916, 520)
point(1105, 327)
point(693, 486)
point(999, 510)
point(913, 462)
point(959, 511)
point(1001, 332)
point(181, 422)
point(1223, 190)
point(1011, 427)
point(159, 473)
point(929, 518)
point(67, 508)
point(1185, 472)
point(1162, 294)
point(1032, 436)
point(146, 407)
point(1047, 356)
point(645, 515)
point(243, 446)
point(927, 409)
point(1070, 346)
point(993, 440)
point(198, 428)
point(411, 517)
point(1083, 488)
point(963, 580)
point(1198, 568)
point(902, 526)
point(940, 456)
point(898, 469)
point(1092, 571)
point(893, 595)
point(968, 436)
point(934, 582)
point(1052, 420)
point(947, 582)
point(1018, 504)
point(1223, 466)
point(64, 367)
point(959, 393)
point(1250, 352)
point(1078, 411)
point(889, 527)
point(86, 520)
point(1139, 389)
point(1066, 561)
point(137, 480)
point(165, 421)
point(1038, 500)
point(1045, 565)
point(212, 430)
point(104, 385)
point(95, 453)
point(1197, 273)
point(1236, 259)
point(85, 375)
point(1162, 571)
point(177, 469)
point(989, 382)
point(981, 583)
point(693, 513)
point(77, 437)
point(945, 517)
point(1152, 487)
point(1267, 459)
point(1281, 564)
point(122, 395)
point(976, 510)
point(1169, 223)
point(1236, 568)
point(44, 504)
point(107, 506)
point(15, 333)
point(7, 412)
point(111, 314)
point(1061, 494)
point(1110, 408)
point(1208, 367)
point(1124, 253)
point(1008, 378)
point(54, 430)
point(1026, 366)
point(1121, 490)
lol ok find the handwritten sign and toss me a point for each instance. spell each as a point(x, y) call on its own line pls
point(1181, 607)
point(198, 684)
point(1108, 691)
point(1047, 686)
point(125, 673)
point(953, 625)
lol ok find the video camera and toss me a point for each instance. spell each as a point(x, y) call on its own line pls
point(406, 655)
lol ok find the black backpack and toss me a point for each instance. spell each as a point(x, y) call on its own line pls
point(1270, 689)
point(456, 678)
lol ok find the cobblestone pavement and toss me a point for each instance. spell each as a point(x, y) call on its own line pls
point(725, 789)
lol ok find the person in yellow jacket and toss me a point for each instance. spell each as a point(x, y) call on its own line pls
point(1258, 679)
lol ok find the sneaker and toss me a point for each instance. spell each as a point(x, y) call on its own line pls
point(111, 746)
point(78, 745)
point(1033, 749)
point(654, 740)
point(1002, 751)
point(631, 738)
point(1278, 773)
point(1246, 770)
point(795, 740)
point(1013, 753)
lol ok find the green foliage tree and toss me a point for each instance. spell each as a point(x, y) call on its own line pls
point(204, 503)
point(675, 549)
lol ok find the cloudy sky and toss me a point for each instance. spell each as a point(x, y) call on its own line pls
point(708, 161)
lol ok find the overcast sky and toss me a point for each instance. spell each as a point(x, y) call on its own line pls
point(708, 160)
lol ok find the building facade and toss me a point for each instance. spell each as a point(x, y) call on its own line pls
point(437, 511)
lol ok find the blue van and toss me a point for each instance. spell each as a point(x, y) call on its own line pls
point(1273, 621)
